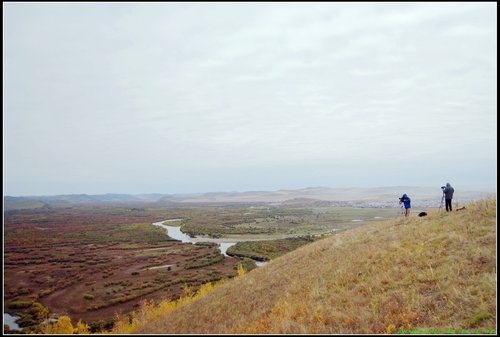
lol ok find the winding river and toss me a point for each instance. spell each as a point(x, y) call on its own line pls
point(175, 233)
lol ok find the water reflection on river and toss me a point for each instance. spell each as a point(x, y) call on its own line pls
point(175, 233)
point(11, 321)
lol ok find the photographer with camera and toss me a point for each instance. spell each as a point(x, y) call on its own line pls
point(448, 195)
point(407, 204)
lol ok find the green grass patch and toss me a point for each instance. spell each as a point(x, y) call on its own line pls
point(268, 249)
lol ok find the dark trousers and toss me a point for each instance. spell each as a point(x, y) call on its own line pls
point(448, 205)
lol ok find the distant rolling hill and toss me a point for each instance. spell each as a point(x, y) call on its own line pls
point(435, 274)
point(306, 197)
point(25, 202)
point(382, 195)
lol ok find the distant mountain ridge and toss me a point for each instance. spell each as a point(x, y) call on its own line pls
point(76, 199)
point(310, 196)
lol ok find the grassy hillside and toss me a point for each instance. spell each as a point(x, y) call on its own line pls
point(437, 272)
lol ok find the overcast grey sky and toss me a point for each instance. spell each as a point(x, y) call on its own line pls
point(198, 97)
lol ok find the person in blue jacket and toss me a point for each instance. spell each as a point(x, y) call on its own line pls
point(407, 203)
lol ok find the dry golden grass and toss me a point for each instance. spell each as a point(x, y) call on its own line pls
point(436, 272)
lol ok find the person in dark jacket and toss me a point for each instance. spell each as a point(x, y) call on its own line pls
point(448, 195)
point(407, 203)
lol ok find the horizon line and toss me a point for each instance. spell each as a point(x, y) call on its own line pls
point(491, 188)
